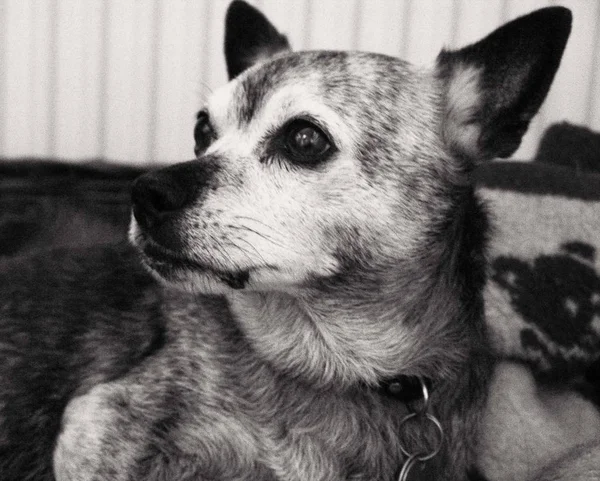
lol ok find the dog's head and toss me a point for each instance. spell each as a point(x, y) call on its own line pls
point(314, 166)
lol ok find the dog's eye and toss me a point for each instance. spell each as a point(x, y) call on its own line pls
point(203, 132)
point(306, 143)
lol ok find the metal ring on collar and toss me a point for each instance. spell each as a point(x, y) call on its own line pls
point(440, 440)
point(408, 464)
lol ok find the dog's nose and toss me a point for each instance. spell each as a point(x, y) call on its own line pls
point(154, 196)
point(157, 195)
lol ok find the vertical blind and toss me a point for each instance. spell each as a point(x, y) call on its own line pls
point(122, 79)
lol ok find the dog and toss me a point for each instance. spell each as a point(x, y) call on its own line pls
point(304, 299)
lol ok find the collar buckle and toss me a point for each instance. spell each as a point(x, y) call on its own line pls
point(407, 389)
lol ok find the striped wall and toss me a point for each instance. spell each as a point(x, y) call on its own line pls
point(122, 79)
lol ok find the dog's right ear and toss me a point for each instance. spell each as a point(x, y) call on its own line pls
point(249, 38)
point(494, 87)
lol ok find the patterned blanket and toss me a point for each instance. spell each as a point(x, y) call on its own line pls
point(543, 298)
point(543, 311)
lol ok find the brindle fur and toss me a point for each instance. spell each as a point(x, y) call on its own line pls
point(306, 287)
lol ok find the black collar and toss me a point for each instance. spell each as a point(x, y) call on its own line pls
point(405, 389)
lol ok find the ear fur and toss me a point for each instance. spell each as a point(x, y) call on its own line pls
point(494, 87)
point(249, 38)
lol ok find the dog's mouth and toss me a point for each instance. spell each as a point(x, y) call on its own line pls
point(171, 266)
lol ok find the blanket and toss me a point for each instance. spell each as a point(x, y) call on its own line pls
point(54, 204)
point(570, 145)
point(543, 297)
point(543, 313)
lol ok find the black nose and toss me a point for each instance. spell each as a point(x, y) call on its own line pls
point(157, 196)
point(154, 196)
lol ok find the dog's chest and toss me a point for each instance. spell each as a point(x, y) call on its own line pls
point(157, 430)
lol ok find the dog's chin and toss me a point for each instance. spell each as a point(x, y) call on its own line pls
point(197, 277)
point(193, 277)
point(176, 269)
point(186, 273)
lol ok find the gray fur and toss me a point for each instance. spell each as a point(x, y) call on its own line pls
point(305, 288)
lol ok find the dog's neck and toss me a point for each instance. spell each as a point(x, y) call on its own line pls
point(418, 315)
point(333, 338)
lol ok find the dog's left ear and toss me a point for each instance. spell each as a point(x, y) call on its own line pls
point(494, 87)
point(249, 38)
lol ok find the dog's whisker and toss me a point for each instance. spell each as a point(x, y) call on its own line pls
point(260, 234)
point(232, 242)
point(218, 245)
point(252, 219)
point(268, 236)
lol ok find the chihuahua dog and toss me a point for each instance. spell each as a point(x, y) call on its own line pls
point(303, 301)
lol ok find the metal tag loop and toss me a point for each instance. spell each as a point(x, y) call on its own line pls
point(440, 436)
point(408, 464)
point(425, 417)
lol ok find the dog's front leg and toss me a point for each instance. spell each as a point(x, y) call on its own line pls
point(98, 436)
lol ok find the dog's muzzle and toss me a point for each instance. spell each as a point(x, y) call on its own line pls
point(160, 200)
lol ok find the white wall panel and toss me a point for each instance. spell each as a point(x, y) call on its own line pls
point(130, 76)
point(593, 94)
point(78, 54)
point(17, 61)
point(426, 28)
point(37, 83)
point(122, 79)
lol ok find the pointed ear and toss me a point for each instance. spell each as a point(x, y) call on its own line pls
point(494, 87)
point(249, 38)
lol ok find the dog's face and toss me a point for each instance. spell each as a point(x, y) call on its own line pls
point(307, 163)
point(311, 165)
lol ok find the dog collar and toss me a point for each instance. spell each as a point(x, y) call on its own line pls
point(405, 389)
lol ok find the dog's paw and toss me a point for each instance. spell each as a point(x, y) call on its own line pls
point(92, 443)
